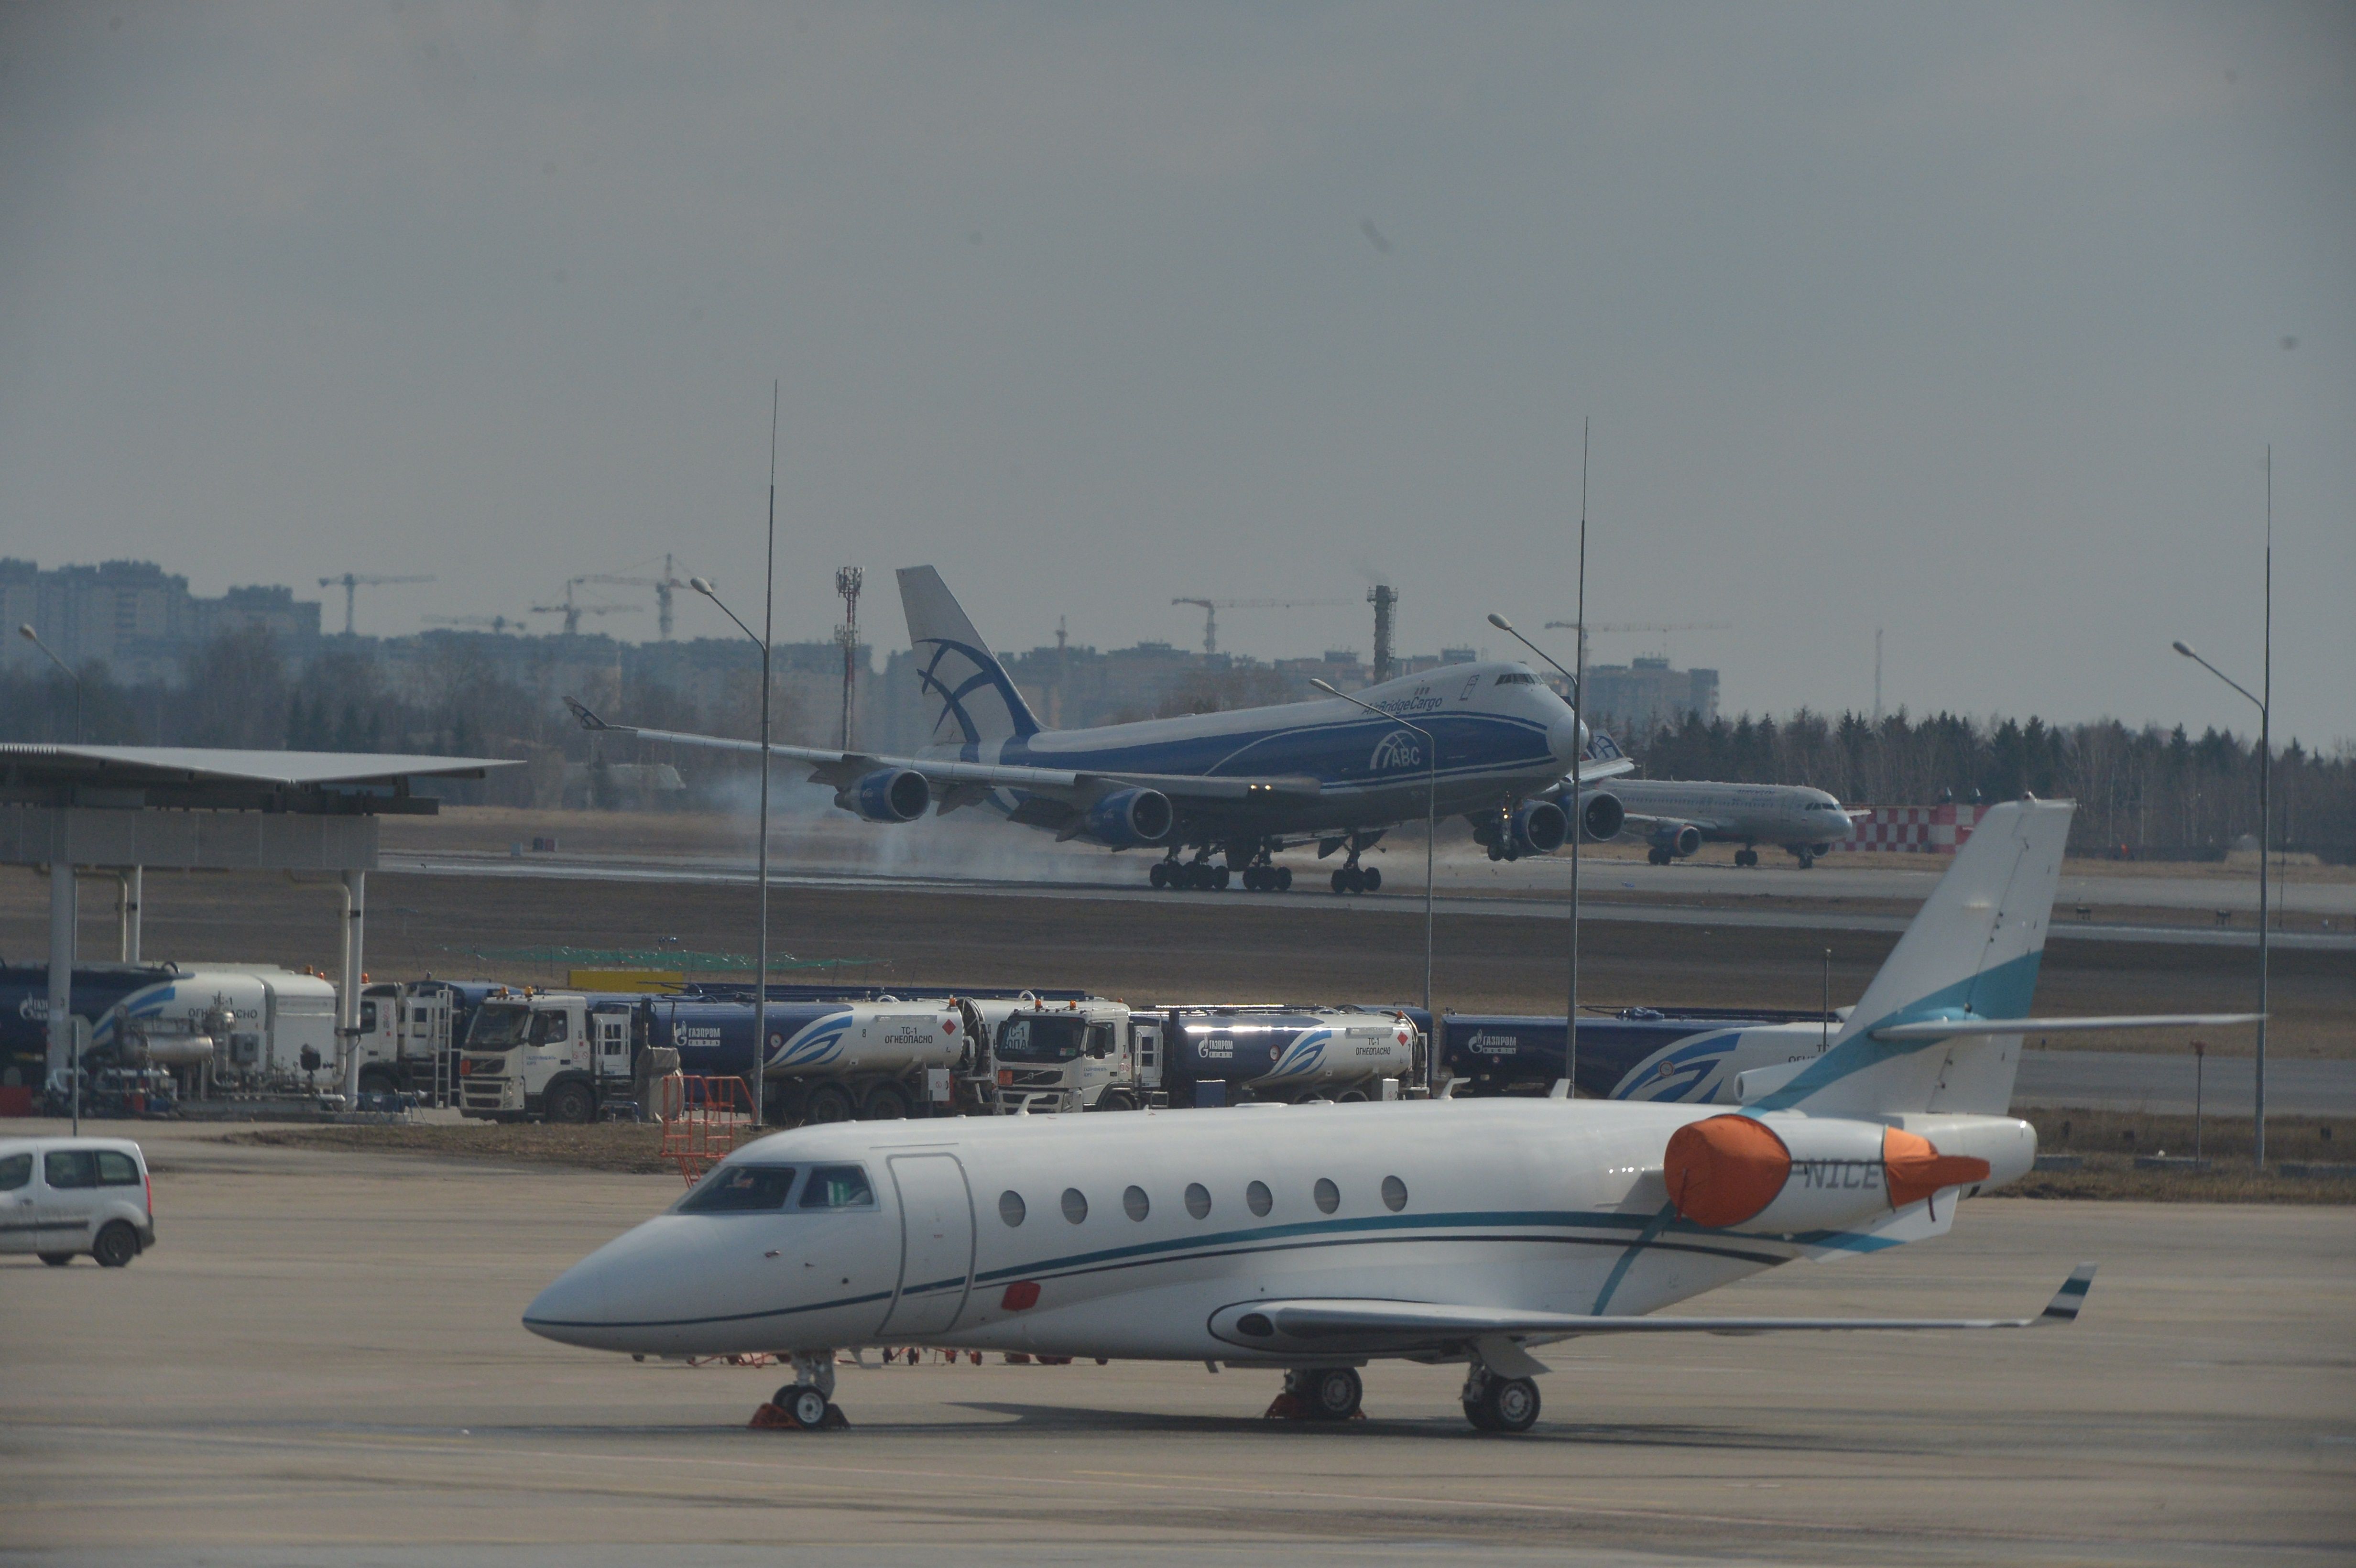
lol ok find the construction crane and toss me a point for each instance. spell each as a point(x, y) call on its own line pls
point(661, 585)
point(1664, 627)
point(353, 581)
point(496, 623)
point(572, 611)
point(1211, 608)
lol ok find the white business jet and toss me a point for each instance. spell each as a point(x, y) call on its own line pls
point(1312, 1239)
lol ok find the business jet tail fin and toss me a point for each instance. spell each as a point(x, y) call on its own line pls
point(1971, 955)
point(975, 701)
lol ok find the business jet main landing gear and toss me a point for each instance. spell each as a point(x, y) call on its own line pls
point(1499, 1405)
point(1320, 1393)
point(807, 1403)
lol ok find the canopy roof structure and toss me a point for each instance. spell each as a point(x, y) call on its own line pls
point(212, 778)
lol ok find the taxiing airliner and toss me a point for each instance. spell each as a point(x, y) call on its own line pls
point(1245, 784)
point(1313, 1240)
point(1677, 818)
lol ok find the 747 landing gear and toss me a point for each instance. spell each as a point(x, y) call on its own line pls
point(1354, 877)
point(1197, 875)
point(1260, 872)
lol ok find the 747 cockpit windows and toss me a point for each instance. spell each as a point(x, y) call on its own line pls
point(746, 1188)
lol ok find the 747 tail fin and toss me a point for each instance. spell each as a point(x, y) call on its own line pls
point(976, 701)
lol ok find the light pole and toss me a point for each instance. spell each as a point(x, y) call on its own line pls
point(768, 620)
point(1430, 823)
point(33, 637)
point(1578, 823)
point(2266, 835)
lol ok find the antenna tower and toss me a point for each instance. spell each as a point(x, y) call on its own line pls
point(846, 582)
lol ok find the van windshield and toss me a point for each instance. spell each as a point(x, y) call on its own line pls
point(1041, 1039)
point(499, 1025)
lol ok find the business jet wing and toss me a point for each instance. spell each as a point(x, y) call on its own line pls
point(1409, 1328)
point(1080, 789)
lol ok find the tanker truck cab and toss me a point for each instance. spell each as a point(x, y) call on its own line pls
point(553, 1054)
point(1080, 1056)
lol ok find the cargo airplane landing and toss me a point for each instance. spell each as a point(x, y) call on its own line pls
point(1313, 1240)
point(1243, 784)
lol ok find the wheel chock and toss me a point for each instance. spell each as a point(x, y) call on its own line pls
point(776, 1418)
point(1287, 1407)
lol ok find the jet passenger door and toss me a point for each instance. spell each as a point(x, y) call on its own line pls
point(936, 1246)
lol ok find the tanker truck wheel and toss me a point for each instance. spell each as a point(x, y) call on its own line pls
point(886, 1103)
point(828, 1102)
point(572, 1103)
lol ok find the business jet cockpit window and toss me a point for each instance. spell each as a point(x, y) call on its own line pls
point(838, 1187)
point(1054, 1039)
point(740, 1189)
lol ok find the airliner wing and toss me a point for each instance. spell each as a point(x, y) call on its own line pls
point(1077, 787)
point(1407, 1328)
point(1640, 822)
point(1589, 772)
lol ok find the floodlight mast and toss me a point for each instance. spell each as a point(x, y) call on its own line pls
point(1430, 822)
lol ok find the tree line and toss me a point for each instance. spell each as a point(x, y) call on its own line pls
point(2152, 790)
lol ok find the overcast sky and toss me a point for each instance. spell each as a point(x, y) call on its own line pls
point(1969, 322)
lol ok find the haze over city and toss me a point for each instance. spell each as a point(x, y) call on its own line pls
point(1971, 325)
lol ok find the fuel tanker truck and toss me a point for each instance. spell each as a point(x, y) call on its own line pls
point(1098, 1055)
point(833, 1055)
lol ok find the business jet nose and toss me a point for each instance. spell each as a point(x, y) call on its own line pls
point(577, 1309)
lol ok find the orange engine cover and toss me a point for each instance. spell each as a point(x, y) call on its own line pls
point(1725, 1170)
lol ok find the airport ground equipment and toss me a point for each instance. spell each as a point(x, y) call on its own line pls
point(1691, 1055)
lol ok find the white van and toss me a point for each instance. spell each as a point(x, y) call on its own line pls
point(62, 1196)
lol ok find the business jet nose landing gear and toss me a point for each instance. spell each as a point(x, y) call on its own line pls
point(807, 1403)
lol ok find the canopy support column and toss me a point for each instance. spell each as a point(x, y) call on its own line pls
point(348, 1007)
point(61, 963)
point(126, 907)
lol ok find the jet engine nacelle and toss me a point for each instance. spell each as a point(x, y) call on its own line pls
point(888, 795)
point(1130, 817)
point(1791, 1174)
point(1536, 827)
point(1679, 839)
point(1602, 815)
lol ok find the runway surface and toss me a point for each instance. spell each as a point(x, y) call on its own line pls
point(320, 1364)
point(1604, 898)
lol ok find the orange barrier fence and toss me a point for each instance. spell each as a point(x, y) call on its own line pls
point(705, 1119)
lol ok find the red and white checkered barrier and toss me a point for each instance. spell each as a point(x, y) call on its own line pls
point(1915, 829)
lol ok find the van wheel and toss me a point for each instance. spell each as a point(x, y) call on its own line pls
point(117, 1244)
point(56, 1260)
point(827, 1103)
point(572, 1103)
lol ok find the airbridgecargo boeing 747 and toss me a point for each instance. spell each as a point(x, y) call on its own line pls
point(1244, 784)
point(1312, 1241)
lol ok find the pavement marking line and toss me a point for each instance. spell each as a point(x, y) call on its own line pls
point(1212, 1485)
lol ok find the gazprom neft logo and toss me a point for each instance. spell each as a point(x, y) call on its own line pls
point(1399, 749)
point(1493, 1044)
